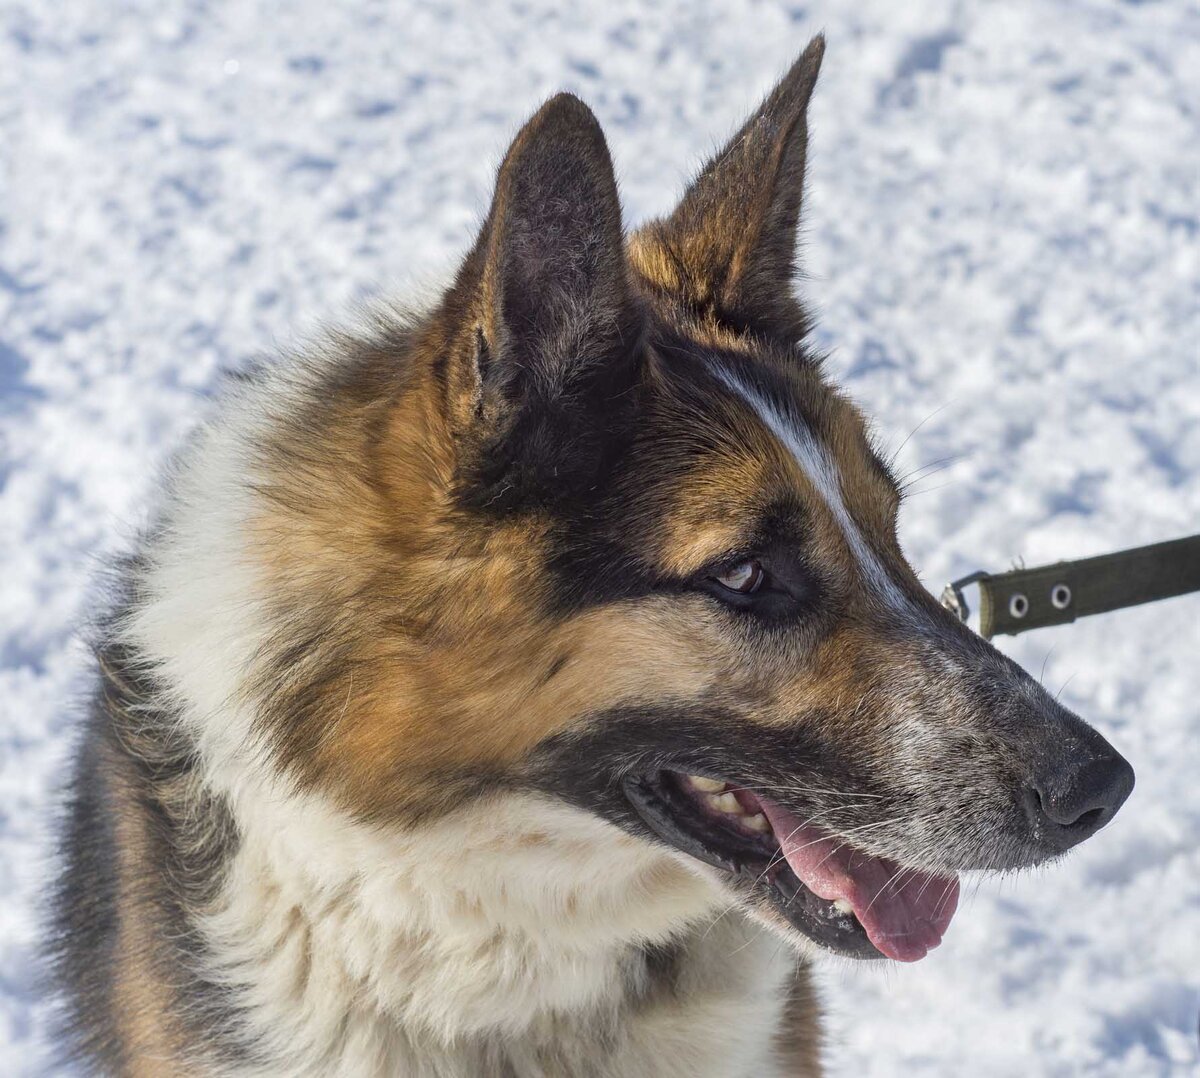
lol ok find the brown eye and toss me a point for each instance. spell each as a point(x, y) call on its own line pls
point(745, 578)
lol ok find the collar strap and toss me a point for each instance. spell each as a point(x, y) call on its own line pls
point(1057, 594)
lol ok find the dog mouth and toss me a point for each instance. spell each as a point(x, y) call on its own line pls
point(846, 900)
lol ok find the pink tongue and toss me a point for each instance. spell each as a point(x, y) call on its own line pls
point(905, 913)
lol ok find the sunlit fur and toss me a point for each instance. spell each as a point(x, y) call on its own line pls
point(419, 599)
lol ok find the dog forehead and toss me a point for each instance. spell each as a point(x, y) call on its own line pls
point(745, 417)
point(747, 444)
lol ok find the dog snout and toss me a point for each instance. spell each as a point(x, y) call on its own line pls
point(1075, 791)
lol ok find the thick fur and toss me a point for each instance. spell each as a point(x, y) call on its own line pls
point(349, 800)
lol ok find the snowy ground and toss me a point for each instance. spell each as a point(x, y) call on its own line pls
point(1003, 240)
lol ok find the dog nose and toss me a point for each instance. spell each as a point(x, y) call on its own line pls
point(1072, 798)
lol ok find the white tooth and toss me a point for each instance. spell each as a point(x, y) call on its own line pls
point(757, 822)
point(708, 786)
point(725, 803)
point(842, 905)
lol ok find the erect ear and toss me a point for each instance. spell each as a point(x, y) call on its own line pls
point(554, 327)
point(729, 249)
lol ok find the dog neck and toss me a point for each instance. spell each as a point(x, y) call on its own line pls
point(503, 922)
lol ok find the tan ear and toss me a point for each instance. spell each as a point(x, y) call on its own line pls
point(728, 251)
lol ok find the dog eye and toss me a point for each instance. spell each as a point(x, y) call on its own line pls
point(745, 578)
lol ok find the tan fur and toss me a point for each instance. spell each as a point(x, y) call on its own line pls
point(799, 1035)
point(142, 990)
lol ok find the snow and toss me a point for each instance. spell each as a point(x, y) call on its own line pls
point(1002, 241)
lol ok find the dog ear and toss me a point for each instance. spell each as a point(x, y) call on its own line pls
point(554, 328)
point(729, 249)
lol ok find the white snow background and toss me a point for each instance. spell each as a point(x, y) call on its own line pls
point(1002, 244)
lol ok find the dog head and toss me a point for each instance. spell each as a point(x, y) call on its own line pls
point(609, 534)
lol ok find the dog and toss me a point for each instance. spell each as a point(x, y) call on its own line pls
point(534, 685)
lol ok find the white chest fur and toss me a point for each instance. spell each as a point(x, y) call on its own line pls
point(512, 939)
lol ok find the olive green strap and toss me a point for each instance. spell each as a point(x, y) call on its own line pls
point(1024, 599)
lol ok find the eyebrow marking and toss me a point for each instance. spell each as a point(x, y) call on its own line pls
point(821, 470)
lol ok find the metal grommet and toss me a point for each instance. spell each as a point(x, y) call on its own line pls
point(1060, 596)
point(1018, 605)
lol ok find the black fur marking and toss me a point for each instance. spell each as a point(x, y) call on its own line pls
point(189, 839)
point(664, 962)
point(587, 769)
point(554, 669)
point(84, 917)
point(590, 569)
point(551, 451)
point(560, 327)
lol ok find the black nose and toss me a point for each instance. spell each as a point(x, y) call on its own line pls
point(1074, 796)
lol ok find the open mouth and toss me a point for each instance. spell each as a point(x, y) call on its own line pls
point(846, 900)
